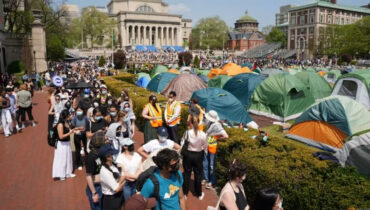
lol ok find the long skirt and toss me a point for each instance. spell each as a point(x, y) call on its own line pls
point(150, 133)
point(62, 164)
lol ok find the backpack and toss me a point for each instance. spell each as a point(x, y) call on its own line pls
point(149, 174)
point(53, 137)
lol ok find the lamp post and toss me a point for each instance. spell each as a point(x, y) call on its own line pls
point(34, 58)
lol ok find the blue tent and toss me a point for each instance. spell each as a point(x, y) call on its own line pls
point(159, 82)
point(247, 64)
point(242, 86)
point(224, 103)
point(204, 78)
point(143, 82)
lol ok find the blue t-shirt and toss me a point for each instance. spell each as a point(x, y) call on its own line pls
point(168, 190)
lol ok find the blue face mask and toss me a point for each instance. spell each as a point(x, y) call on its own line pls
point(79, 113)
point(86, 95)
point(113, 114)
point(97, 118)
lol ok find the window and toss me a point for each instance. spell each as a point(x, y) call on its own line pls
point(312, 30)
point(342, 21)
point(337, 20)
point(145, 9)
point(348, 88)
point(301, 20)
point(321, 18)
point(329, 19)
point(312, 19)
point(347, 21)
point(293, 20)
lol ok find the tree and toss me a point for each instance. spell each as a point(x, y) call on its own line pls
point(54, 48)
point(209, 33)
point(276, 35)
point(101, 61)
point(119, 59)
point(196, 62)
point(185, 58)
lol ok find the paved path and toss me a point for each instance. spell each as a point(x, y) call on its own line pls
point(26, 166)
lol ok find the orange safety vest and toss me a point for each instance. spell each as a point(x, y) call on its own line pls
point(170, 111)
point(158, 122)
point(212, 144)
point(201, 127)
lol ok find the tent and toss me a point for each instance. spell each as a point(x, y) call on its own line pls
point(159, 82)
point(247, 64)
point(205, 79)
point(175, 71)
point(356, 153)
point(355, 85)
point(232, 69)
point(158, 69)
point(321, 73)
point(269, 72)
point(143, 82)
point(330, 122)
point(281, 97)
point(139, 75)
point(184, 85)
point(225, 104)
point(318, 86)
point(214, 72)
point(203, 72)
point(185, 69)
point(242, 86)
point(332, 76)
point(218, 81)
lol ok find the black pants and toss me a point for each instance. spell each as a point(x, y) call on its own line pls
point(77, 140)
point(173, 133)
point(112, 202)
point(193, 161)
point(50, 122)
point(23, 113)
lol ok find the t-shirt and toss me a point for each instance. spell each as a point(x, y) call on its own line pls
point(83, 122)
point(155, 145)
point(107, 181)
point(93, 164)
point(168, 190)
point(95, 126)
point(129, 166)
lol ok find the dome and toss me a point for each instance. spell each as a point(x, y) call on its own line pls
point(246, 18)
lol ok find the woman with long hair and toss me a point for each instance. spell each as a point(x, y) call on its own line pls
point(268, 199)
point(193, 158)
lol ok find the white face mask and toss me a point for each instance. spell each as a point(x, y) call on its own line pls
point(170, 100)
point(96, 104)
point(162, 138)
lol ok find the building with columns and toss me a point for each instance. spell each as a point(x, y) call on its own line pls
point(147, 22)
point(308, 22)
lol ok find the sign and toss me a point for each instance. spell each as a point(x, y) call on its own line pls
point(57, 81)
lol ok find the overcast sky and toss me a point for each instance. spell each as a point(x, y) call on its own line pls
point(229, 10)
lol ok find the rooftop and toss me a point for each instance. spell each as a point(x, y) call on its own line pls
point(246, 18)
point(333, 6)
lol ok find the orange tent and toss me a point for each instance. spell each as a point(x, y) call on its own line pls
point(175, 71)
point(321, 73)
point(231, 69)
point(214, 72)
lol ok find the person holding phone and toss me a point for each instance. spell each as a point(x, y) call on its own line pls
point(80, 122)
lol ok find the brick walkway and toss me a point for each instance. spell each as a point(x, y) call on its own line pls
point(25, 177)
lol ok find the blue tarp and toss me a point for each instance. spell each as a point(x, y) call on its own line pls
point(143, 82)
point(224, 103)
point(147, 48)
point(173, 48)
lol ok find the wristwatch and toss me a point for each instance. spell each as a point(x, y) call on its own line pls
point(95, 193)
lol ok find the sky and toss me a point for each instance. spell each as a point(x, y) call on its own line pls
point(228, 10)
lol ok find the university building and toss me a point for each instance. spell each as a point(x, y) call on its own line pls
point(308, 22)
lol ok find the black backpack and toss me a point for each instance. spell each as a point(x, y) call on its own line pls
point(149, 174)
point(53, 137)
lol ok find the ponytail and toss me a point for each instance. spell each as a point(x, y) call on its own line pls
point(195, 122)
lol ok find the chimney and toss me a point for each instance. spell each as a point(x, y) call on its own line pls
point(334, 1)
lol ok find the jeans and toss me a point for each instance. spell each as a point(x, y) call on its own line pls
point(209, 168)
point(129, 189)
point(94, 206)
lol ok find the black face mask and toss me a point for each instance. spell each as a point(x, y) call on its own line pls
point(175, 168)
point(131, 148)
point(154, 101)
point(118, 134)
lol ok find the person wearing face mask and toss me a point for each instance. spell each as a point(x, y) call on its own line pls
point(170, 181)
point(130, 162)
point(150, 149)
point(152, 112)
point(130, 117)
point(85, 102)
point(97, 123)
point(104, 99)
point(268, 199)
point(112, 116)
point(114, 133)
point(172, 115)
point(80, 122)
point(232, 194)
point(125, 98)
point(125, 122)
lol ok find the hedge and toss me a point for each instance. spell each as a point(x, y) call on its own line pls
point(304, 181)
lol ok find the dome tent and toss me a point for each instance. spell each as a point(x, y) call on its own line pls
point(158, 69)
point(143, 82)
point(330, 122)
point(281, 97)
point(355, 85)
point(318, 86)
point(332, 76)
point(184, 85)
point(218, 81)
point(159, 82)
point(141, 74)
point(242, 86)
point(225, 104)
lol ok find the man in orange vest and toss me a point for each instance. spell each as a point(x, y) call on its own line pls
point(172, 115)
point(153, 114)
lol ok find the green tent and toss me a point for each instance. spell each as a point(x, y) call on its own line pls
point(203, 72)
point(332, 76)
point(159, 82)
point(318, 87)
point(146, 75)
point(158, 69)
point(282, 97)
point(218, 81)
point(242, 86)
point(224, 103)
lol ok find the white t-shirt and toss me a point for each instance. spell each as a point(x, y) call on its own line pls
point(107, 180)
point(155, 145)
point(130, 166)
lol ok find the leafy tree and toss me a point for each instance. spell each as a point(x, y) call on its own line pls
point(209, 33)
point(15, 67)
point(276, 35)
point(101, 61)
point(185, 58)
point(196, 62)
point(54, 48)
point(119, 59)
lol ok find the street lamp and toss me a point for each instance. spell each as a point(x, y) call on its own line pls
point(34, 58)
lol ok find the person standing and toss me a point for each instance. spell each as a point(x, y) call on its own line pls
point(6, 118)
point(153, 114)
point(193, 159)
point(24, 99)
point(80, 122)
point(172, 115)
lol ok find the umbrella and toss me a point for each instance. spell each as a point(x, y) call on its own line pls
point(79, 85)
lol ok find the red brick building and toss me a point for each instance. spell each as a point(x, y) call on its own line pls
point(246, 35)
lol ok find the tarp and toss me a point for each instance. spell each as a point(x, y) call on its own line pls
point(218, 81)
point(282, 97)
point(318, 86)
point(242, 86)
point(159, 82)
point(158, 69)
point(184, 85)
point(143, 82)
point(224, 103)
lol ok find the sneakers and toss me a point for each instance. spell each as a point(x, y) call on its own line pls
point(62, 179)
point(34, 124)
point(209, 186)
point(201, 197)
point(82, 152)
point(23, 126)
point(17, 127)
point(79, 168)
point(204, 182)
point(7, 135)
point(71, 175)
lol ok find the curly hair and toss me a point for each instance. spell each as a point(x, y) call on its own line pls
point(164, 157)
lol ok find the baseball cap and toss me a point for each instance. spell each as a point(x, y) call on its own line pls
point(138, 202)
point(106, 150)
point(162, 131)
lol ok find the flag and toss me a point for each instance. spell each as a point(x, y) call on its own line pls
point(256, 68)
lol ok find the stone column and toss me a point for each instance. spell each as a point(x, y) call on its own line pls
point(150, 35)
point(38, 43)
point(179, 36)
point(173, 37)
point(166, 36)
point(139, 32)
point(162, 36)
